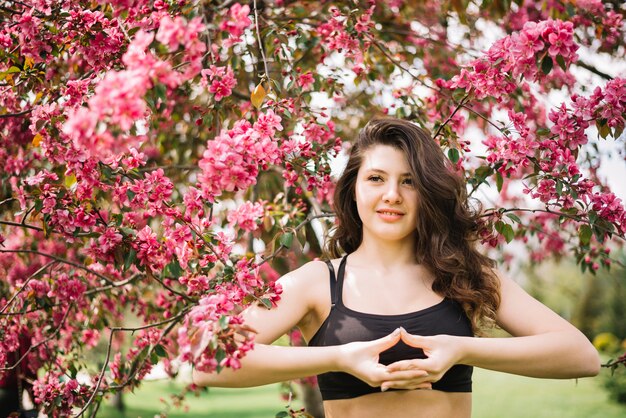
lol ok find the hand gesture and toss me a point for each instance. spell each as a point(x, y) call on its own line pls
point(441, 354)
point(361, 359)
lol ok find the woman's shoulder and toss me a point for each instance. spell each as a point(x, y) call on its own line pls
point(310, 273)
point(311, 279)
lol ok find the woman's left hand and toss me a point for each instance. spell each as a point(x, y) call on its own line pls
point(442, 352)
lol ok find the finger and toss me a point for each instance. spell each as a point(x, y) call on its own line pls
point(402, 365)
point(413, 340)
point(405, 384)
point(414, 375)
point(388, 341)
point(413, 364)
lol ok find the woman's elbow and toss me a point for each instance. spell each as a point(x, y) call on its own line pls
point(589, 360)
point(593, 362)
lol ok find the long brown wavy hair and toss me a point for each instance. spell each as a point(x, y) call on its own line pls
point(447, 226)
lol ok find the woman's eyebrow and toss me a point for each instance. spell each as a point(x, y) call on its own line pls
point(378, 170)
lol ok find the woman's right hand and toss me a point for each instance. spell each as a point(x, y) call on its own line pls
point(361, 359)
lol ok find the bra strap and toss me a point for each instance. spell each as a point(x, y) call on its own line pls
point(333, 283)
point(340, 274)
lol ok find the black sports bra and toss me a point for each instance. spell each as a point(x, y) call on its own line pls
point(343, 325)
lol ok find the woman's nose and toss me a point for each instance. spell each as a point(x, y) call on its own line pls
point(392, 194)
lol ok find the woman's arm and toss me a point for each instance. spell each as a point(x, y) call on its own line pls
point(543, 345)
point(304, 291)
point(270, 364)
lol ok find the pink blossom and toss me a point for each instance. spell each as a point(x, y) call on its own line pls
point(247, 216)
point(305, 81)
point(237, 21)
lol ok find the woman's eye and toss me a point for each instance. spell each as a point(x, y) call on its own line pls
point(408, 181)
point(375, 178)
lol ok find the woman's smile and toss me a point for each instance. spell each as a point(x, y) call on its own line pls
point(385, 195)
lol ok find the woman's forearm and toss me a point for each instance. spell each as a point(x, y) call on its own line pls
point(267, 364)
point(558, 355)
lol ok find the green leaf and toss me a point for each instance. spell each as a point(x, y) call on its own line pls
point(546, 65)
point(130, 259)
point(453, 155)
point(282, 414)
point(508, 233)
point(173, 269)
point(584, 234)
point(499, 181)
point(286, 240)
point(543, 131)
point(499, 227)
point(605, 130)
point(561, 62)
point(267, 303)
point(160, 350)
point(514, 217)
point(223, 322)
point(559, 187)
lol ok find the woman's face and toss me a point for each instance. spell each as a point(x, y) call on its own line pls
point(385, 195)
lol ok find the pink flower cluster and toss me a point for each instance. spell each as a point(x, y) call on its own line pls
point(231, 161)
point(150, 253)
point(221, 81)
point(236, 22)
point(336, 37)
point(515, 56)
point(202, 327)
point(58, 394)
point(247, 216)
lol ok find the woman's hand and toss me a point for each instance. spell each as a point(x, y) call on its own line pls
point(361, 359)
point(441, 353)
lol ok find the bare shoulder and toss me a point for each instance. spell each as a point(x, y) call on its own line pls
point(310, 280)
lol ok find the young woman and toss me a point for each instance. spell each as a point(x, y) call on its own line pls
point(391, 324)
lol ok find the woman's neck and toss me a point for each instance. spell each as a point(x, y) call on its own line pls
point(377, 253)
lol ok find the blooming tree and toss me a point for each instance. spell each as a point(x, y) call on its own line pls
point(155, 155)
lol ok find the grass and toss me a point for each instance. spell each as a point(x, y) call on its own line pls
point(496, 395)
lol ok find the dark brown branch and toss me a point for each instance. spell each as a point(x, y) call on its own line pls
point(593, 69)
point(459, 106)
point(32, 276)
point(565, 215)
point(14, 115)
point(23, 225)
point(100, 377)
point(294, 231)
point(173, 321)
point(62, 260)
point(32, 347)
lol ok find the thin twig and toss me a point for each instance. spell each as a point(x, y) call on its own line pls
point(32, 347)
point(32, 276)
point(23, 225)
point(294, 231)
point(258, 35)
point(101, 377)
point(62, 260)
point(108, 355)
point(459, 106)
point(14, 115)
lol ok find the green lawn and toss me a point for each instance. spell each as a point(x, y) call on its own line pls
point(496, 395)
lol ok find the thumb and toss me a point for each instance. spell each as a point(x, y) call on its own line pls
point(388, 341)
point(413, 340)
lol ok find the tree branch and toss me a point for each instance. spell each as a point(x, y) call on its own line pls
point(62, 260)
point(32, 347)
point(14, 115)
point(32, 276)
point(593, 69)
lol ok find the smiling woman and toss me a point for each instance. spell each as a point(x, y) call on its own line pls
point(391, 317)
